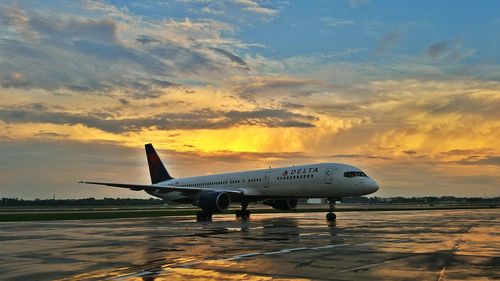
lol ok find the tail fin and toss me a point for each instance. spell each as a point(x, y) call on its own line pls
point(156, 169)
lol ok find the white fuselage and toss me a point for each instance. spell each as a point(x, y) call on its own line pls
point(324, 180)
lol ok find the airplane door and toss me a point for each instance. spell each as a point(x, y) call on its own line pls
point(266, 180)
point(329, 176)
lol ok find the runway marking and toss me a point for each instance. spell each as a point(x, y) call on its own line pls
point(244, 256)
point(298, 249)
point(376, 264)
point(329, 246)
point(274, 253)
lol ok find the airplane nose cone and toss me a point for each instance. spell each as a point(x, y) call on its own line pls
point(372, 186)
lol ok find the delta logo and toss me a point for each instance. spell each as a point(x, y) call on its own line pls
point(300, 171)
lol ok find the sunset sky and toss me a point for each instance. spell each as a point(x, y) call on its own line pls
point(408, 91)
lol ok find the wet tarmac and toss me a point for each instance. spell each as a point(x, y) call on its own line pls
point(409, 245)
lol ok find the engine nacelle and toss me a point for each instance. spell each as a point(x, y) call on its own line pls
point(214, 201)
point(282, 204)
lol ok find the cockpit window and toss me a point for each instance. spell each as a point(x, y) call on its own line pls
point(353, 174)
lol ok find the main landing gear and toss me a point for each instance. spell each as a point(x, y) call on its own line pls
point(243, 213)
point(203, 216)
point(331, 215)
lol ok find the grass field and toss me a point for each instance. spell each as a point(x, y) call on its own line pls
point(46, 214)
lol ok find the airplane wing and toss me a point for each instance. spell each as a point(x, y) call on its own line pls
point(138, 187)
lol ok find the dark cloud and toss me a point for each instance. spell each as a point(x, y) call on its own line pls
point(234, 58)
point(342, 109)
point(198, 119)
point(287, 104)
point(437, 49)
point(45, 134)
point(359, 156)
point(462, 152)
point(451, 51)
point(145, 39)
point(124, 101)
point(478, 160)
point(410, 152)
point(389, 41)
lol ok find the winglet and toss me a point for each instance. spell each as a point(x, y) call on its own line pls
point(156, 169)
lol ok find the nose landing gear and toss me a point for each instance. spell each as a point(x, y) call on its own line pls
point(243, 213)
point(331, 215)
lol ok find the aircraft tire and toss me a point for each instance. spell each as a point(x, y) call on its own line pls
point(331, 217)
point(245, 214)
point(203, 216)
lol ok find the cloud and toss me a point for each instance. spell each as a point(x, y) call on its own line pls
point(271, 118)
point(437, 49)
point(360, 156)
point(191, 85)
point(489, 160)
point(450, 50)
point(212, 11)
point(197, 119)
point(145, 39)
point(254, 7)
point(274, 86)
point(334, 23)
point(230, 56)
point(109, 54)
point(124, 101)
point(44, 134)
point(388, 41)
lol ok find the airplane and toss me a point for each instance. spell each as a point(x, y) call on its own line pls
point(276, 187)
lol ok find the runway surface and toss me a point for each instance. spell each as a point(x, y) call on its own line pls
point(409, 245)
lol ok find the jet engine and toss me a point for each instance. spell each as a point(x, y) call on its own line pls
point(282, 204)
point(214, 201)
